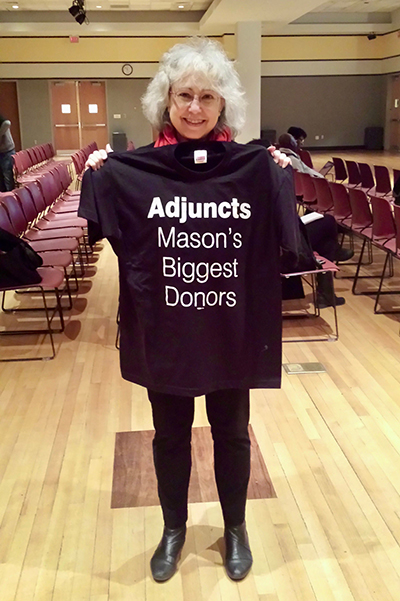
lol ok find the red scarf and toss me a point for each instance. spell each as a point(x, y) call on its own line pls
point(168, 136)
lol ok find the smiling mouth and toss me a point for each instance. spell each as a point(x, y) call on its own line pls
point(191, 122)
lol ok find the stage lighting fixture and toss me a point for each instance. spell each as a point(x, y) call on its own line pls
point(80, 18)
point(74, 10)
point(77, 10)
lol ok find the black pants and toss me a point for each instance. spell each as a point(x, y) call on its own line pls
point(6, 171)
point(323, 236)
point(228, 414)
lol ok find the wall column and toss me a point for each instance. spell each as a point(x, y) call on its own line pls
point(248, 56)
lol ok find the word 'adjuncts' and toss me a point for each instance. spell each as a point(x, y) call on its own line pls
point(183, 210)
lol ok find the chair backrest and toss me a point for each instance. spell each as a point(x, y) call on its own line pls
point(383, 227)
point(21, 162)
point(298, 185)
point(308, 187)
point(367, 179)
point(48, 188)
point(5, 222)
point(396, 212)
point(26, 202)
point(85, 152)
point(64, 175)
point(18, 164)
point(396, 175)
point(27, 159)
point(340, 169)
point(354, 173)
point(37, 154)
point(36, 196)
point(32, 156)
point(47, 151)
point(305, 157)
point(77, 161)
point(361, 216)
point(324, 195)
point(382, 178)
point(42, 153)
point(341, 202)
point(15, 213)
point(58, 188)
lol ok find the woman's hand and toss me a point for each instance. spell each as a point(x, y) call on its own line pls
point(97, 158)
point(280, 158)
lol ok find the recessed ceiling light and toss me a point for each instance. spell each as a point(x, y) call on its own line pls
point(15, 6)
point(98, 6)
point(181, 6)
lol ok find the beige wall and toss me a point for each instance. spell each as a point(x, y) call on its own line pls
point(123, 98)
point(337, 107)
point(342, 47)
point(137, 49)
point(89, 49)
point(34, 112)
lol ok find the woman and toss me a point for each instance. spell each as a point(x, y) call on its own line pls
point(201, 325)
point(7, 149)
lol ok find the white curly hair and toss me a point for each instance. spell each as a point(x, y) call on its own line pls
point(201, 57)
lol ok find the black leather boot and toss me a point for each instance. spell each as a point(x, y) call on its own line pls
point(164, 562)
point(326, 292)
point(238, 557)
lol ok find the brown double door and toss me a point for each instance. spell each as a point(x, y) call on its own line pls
point(79, 114)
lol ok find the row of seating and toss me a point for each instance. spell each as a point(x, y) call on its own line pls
point(375, 180)
point(373, 217)
point(32, 162)
point(79, 159)
point(44, 214)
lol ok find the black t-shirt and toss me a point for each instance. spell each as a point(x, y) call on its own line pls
point(198, 248)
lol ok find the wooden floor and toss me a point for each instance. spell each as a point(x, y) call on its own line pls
point(330, 441)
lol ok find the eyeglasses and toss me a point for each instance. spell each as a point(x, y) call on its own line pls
point(185, 98)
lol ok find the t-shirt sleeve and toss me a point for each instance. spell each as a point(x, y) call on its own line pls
point(98, 207)
point(286, 217)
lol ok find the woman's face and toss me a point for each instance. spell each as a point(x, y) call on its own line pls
point(194, 108)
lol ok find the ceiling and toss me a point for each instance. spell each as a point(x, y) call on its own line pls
point(208, 17)
point(107, 5)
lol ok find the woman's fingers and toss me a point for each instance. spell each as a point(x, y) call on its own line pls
point(108, 148)
point(279, 157)
point(96, 159)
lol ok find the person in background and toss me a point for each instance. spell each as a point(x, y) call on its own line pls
point(322, 233)
point(299, 135)
point(289, 146)
point(7, 149)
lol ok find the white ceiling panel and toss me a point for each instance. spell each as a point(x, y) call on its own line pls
point(280, 7)
point(286, 17)
point(63, 5)
point(358, 6)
